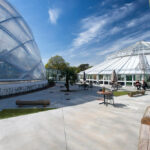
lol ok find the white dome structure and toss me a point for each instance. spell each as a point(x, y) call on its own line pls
point(130, 64)
point(19, 55)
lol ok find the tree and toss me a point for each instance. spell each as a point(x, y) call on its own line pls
point(71, 76)
point(46, 66)
point(56, 62)
point(83, 67)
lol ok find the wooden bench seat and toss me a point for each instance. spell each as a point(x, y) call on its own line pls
point(131, 94)
point(144, 139)
point(38, 102)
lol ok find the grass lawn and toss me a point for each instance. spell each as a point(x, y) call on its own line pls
point(120, 93)
point(7, 113)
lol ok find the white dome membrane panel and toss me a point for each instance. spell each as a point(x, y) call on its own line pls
point(25, 28)
point(15, 29)
point(19, 55)
point(3, 14)
point(8, 8)
point(125, 63)
point(6, 42)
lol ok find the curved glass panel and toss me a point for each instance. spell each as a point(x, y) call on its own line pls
point(19, 55)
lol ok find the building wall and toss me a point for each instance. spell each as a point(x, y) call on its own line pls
point(16, 88)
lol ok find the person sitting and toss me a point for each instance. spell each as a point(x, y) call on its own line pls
point(144, 85)
point(138, 85)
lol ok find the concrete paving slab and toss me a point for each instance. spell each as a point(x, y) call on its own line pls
point(43, 130)
point(78, 124)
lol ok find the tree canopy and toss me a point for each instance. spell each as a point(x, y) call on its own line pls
point(69, 72)
point(57, 62)
point(83, 67)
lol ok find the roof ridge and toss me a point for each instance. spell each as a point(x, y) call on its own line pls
point(134, 49)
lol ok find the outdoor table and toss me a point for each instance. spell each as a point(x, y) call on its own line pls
point(104, 94)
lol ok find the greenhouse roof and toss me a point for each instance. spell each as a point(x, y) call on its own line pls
point(132, 60)
point(141, 47)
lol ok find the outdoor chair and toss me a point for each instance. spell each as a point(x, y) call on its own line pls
point(115, 86)
point(110, 97)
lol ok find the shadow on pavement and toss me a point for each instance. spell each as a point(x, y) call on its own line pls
point(58, 97)
point(120, 105)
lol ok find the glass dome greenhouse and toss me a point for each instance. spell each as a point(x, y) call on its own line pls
point(19, 55)
point(130, 64)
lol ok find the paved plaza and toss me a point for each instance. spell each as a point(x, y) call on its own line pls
point(80, 123)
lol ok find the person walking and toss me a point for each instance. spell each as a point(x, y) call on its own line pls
point(144, 85)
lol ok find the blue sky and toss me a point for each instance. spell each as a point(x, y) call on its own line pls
point(85, 31)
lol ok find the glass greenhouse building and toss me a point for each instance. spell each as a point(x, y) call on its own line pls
point(130, 64)
point(19, 55)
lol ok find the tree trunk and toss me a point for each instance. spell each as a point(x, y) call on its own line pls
point(67, 83)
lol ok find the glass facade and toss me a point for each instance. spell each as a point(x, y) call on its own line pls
point(128, 77)
point(53, 74)
point(94, 76)
point(125, 80)
point(100, 77)
point(19, 55)
point(137, 77)
point(91, 77)
point(121, 77)
point(107, 77)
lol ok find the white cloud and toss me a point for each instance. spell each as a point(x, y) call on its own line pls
point(88, 35)
point(134, 22)
point(53, 15)
point(115, 30)
point(124, 42)
point(131, 24)
point(94, 26)
point(95, 30)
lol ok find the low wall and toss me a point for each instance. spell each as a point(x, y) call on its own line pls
point(16, 88)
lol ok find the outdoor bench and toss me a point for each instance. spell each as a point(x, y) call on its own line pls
point(131, 94)
point(144, 138)
point(38, 102)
